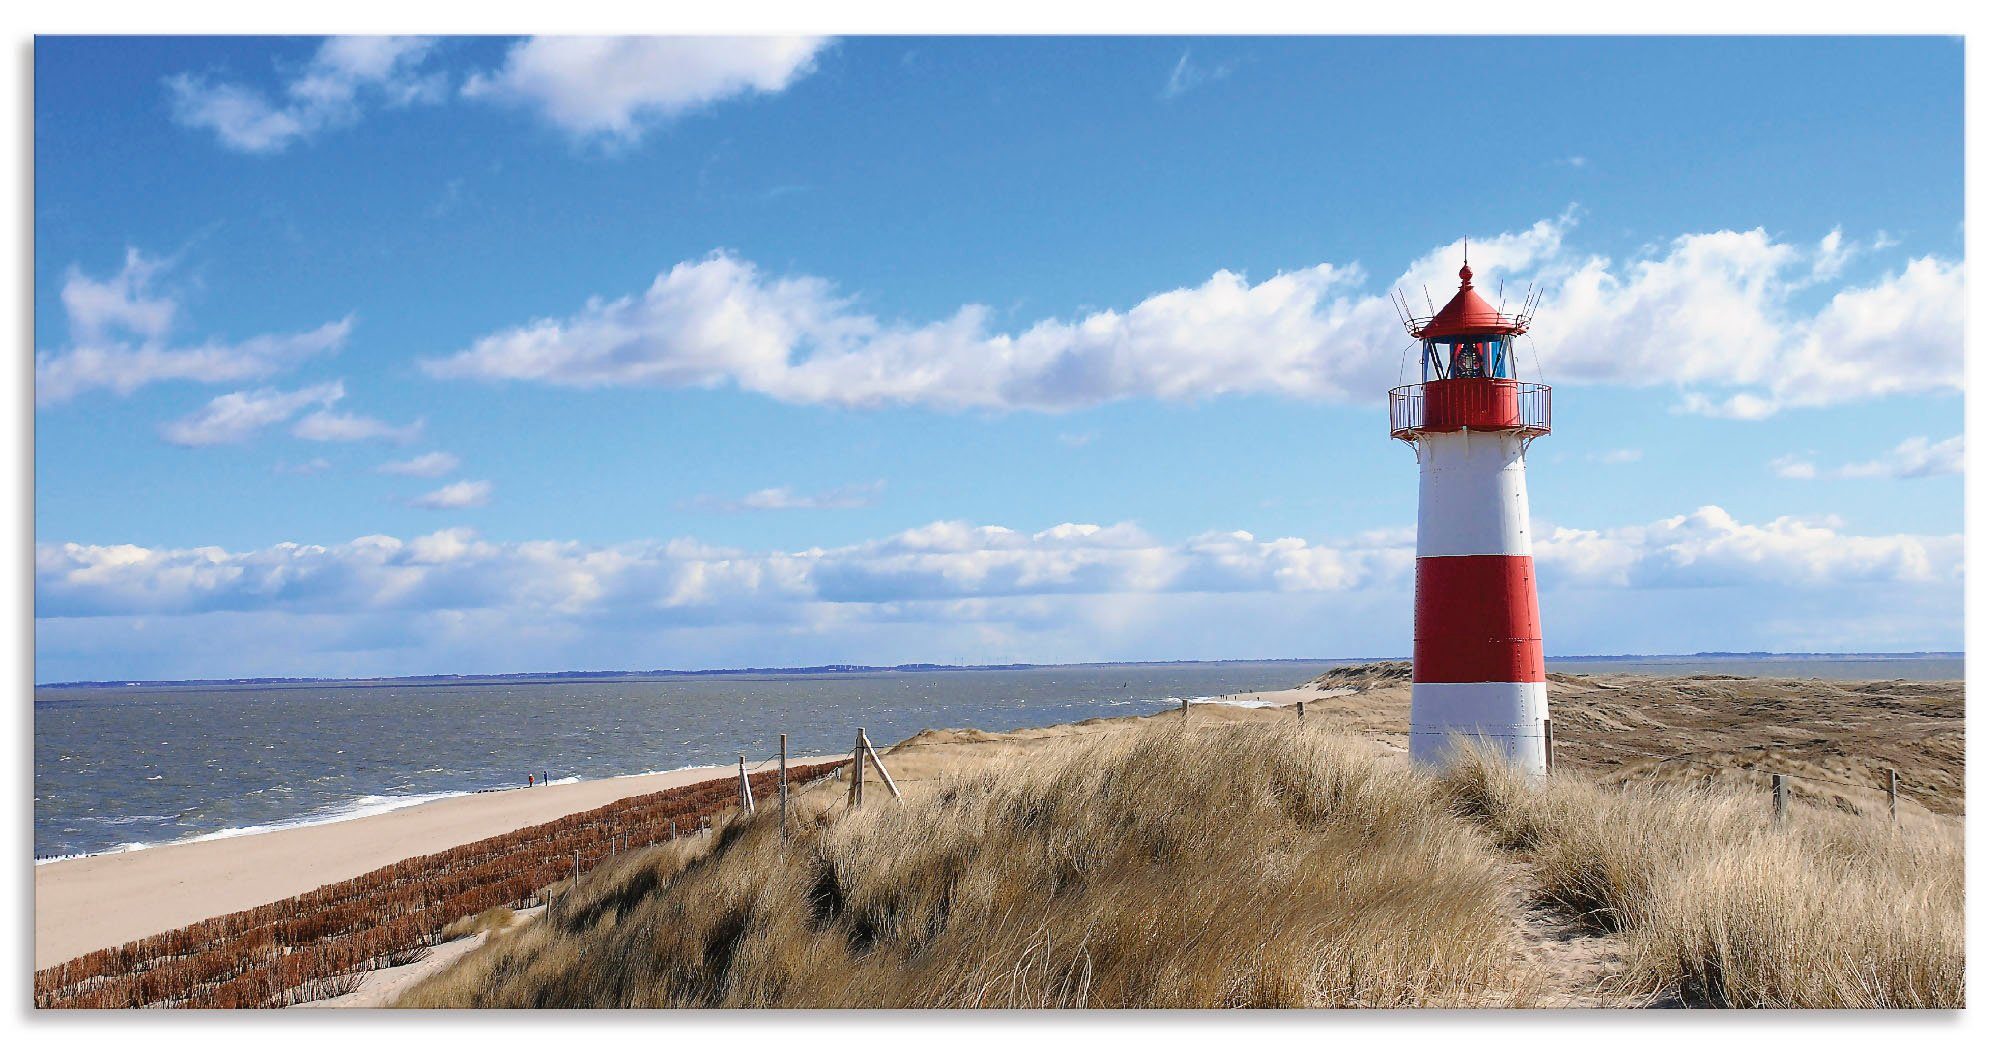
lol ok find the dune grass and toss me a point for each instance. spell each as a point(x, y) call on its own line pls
point(498, 918)
point(1721, 907)
point(1249, 866)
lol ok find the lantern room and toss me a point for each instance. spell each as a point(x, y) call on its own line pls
point(1470, 373)
point(1454, 359)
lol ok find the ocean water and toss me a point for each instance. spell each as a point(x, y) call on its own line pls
point(118, 767)
point(125, 766)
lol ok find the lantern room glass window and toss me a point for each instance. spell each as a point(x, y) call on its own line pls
point(1469, 359)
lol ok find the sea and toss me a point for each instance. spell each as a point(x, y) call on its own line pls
point(126, 766)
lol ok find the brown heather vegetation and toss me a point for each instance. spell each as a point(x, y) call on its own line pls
point(317, 945)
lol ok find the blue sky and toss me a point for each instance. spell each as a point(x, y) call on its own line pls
point(700, 353)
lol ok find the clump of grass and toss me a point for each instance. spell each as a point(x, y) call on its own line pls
point(1723, 907)
point(1243, 866)
point(496, 919)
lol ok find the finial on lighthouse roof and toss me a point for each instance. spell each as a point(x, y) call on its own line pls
point(1467, 315)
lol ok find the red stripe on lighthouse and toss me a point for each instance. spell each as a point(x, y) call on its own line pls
point(1477, 620)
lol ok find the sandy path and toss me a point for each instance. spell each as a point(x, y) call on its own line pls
point(380, 988)
point(84, 904)
point(1570, 964)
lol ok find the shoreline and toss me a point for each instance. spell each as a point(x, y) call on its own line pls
point(348, 811)
point(87, 902)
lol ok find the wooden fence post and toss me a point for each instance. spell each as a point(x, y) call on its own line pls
point(575, 866)
point(1301, 707)
point(744, 799)
point(1893, 780)
point(1780, 796)
point(784, 799)
point(854, 780)
point(1184, 711)
point(879, 769)
point(1548, 745)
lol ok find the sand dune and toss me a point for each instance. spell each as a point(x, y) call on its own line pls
point(1838, 738)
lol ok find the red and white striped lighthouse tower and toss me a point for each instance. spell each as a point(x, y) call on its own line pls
point(1478, 653)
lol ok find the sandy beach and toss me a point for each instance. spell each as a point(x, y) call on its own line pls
point(83, 904)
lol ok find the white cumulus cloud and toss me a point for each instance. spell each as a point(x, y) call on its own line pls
point(434, 464)
point(1710, 548)
point(1913, 457)
point(1716, 315)
point(942, 561)
point(329, 91)
point(456, 496)
point(953, 591)
point(120, 330)
point(722, 320)
point(240, 414)
point(326, 425)
point(615, 87)
point(785, 498)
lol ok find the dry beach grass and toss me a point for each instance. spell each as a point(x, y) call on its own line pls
point(1257, 865)
point(1721, 906)
point(1238, 859)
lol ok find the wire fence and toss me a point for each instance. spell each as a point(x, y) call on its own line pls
point(1627, 753)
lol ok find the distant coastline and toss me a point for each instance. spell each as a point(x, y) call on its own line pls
point(848, 668)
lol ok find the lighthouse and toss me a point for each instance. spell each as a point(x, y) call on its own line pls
point(1478, 651)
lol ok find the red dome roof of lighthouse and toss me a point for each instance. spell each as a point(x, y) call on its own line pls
point(1467, 314)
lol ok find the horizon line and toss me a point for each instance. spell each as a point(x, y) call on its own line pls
point(822, 668)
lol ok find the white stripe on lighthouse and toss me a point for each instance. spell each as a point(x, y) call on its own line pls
point(1473, 496)
point(1506, 715)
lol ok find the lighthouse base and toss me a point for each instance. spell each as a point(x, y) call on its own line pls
point(1509, 716)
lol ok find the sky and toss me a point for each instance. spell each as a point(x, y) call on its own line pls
point(374, 356)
